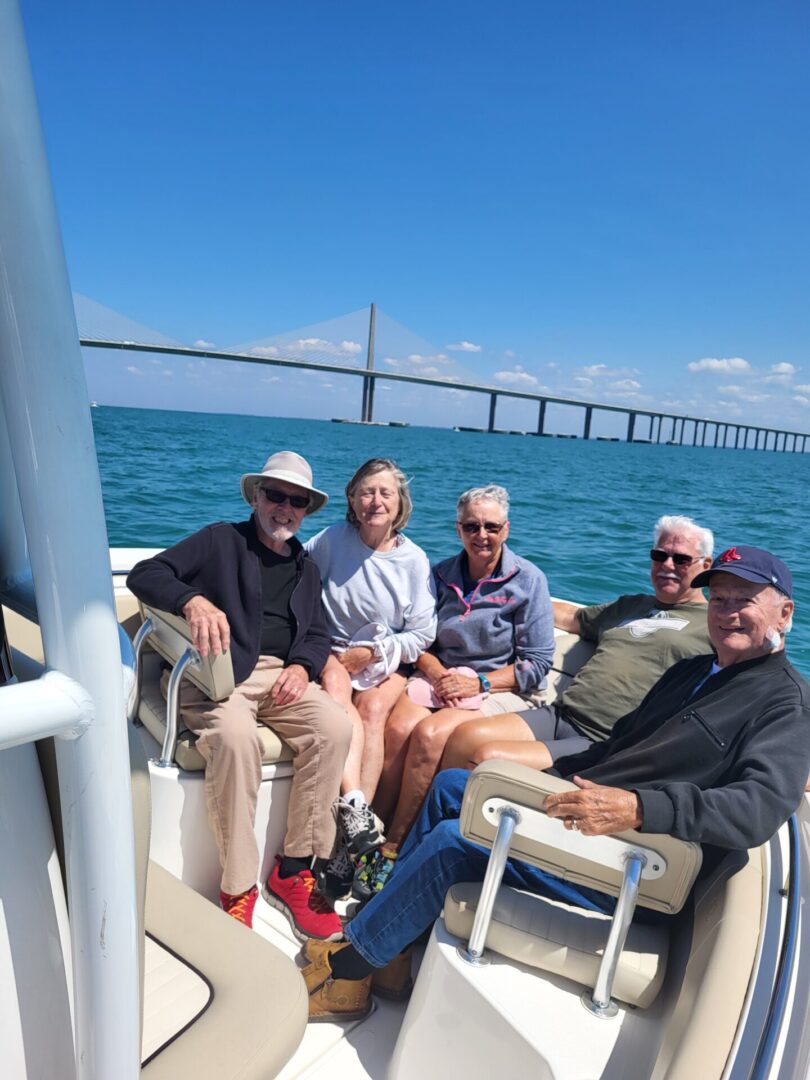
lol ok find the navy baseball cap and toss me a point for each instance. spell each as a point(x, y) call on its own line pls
point(751, 563)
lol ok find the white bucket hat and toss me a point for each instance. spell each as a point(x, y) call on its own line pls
point(291, 467)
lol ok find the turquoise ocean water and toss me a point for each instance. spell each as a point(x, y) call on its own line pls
point(583, 511)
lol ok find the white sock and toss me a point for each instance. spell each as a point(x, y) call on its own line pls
point(356, 798)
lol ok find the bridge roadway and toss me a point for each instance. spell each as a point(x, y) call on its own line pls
point(678, 433)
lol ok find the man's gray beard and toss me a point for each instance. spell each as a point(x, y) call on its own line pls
point(280, 534)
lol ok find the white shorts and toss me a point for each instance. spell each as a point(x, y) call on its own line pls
point(504, 701)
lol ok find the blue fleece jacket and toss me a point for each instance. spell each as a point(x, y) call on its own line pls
point(506, 619)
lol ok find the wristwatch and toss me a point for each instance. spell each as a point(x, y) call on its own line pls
point(486, 686)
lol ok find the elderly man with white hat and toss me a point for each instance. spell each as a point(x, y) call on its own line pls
point(249, 588)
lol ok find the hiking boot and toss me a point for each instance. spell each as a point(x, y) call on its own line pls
point(373, 871)
point(362, 829)
point(307, 913)
point(318, 954)
point(335, 879)
point(240, 906)
point(392, 982)
point(340, 999)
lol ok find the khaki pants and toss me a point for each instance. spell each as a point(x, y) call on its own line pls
point(316, 728)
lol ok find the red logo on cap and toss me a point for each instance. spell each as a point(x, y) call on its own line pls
point(729, 556)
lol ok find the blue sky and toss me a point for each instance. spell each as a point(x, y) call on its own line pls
point(608, 201)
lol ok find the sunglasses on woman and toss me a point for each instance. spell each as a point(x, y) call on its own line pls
point(473, 527)
point(273, 495)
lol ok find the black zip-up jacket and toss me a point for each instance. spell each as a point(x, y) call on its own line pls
point(220, 563)
point(724, 767)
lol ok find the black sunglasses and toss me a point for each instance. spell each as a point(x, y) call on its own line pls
point(273, 495)
point(678, 557)
point(471, 528)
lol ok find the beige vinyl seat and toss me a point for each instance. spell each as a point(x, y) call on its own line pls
point(166, 643)
point(553, 936)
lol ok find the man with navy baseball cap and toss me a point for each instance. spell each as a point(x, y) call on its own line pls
point(718, 752)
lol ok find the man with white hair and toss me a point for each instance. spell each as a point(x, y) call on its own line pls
point(248, 588)
point(638, 637)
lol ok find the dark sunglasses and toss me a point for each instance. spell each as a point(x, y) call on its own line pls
point(678, 557)
point(471, 528)
point(273, 495)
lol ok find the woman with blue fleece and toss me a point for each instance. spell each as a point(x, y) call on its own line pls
point(494, 645)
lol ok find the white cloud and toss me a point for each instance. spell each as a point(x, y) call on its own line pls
point(452, 391)
point(801, 399)
point(272, 378)
point(625, 384)
point(167, 371)
point(437, 358)
point(781, 374)
point(581, 380)
point(509, 354)
point(743, 394)
point(313, 344)
point(429, 371)
point(602, 371)
point(464, 346)
point(134, 370)
point(154, 361)
point(391, 361)
point(723, 366)
point(516, 377)
point(803, 388)
point(202, 344)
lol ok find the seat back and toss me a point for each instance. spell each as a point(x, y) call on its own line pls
point(171, 636)
point(593, 861)
point(570, 652)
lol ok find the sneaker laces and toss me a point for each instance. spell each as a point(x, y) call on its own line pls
point(356, 819)
point(238, 908)
point(315, 901)
point(341, 864)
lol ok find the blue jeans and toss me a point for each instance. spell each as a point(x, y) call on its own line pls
point(434, 857)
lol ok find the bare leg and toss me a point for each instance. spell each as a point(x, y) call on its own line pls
point(336, 682)
point(374, 706)
point(534, 754)
point(465, 740)
point(425, 750)
point(403, 719)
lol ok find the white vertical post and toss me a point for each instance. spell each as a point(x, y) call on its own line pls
point(47, 416)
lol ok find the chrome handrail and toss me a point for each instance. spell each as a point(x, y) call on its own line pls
point(190, 658)
point(599, 1002)
point(473, 952)
point(134, 703)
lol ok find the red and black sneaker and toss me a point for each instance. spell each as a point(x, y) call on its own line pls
point(240, 907)
point(308, 913)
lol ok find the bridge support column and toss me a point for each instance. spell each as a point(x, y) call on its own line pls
point(541, 417)
point(586, 430)
point(493, 401)
point(631, 425)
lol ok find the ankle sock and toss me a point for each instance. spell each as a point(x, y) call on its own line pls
point(349, 964)
point(355, 798)
point(291, 865)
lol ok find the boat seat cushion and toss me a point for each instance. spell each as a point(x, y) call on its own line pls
point(224, 1003)
point(152, 714)
point(563, 940)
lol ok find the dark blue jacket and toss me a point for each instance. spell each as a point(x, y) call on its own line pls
point(219, 563)
point(724, 766)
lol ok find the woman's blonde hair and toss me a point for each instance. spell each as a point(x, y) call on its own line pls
point(369, 468)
